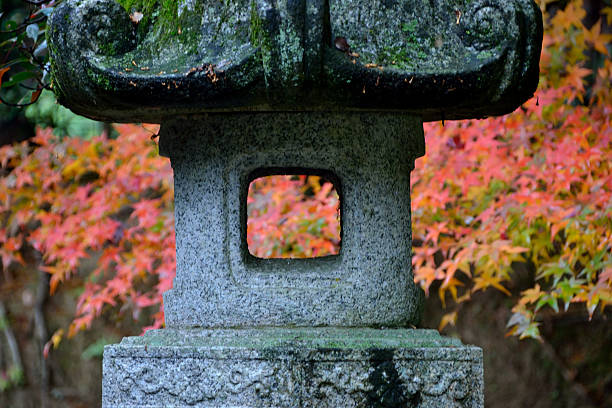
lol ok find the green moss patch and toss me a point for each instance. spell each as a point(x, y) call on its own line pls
point(164, 11)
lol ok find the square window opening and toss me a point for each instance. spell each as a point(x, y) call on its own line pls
point(293, 215)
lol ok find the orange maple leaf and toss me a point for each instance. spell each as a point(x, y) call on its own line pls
point(597, 39)
point(2, 72)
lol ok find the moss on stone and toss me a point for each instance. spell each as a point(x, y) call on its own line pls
point(101, 80)
point(485, 54)
point(168, 9)
point(260, 39)
point(164, 11)
point(256, 26)
point(107, 48)
point(257, 34)
point(271, 338)
point(278, 57)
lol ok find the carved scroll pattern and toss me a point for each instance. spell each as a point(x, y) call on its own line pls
point(191, 381)
point(399, 383)
point(216, 383)
point(486, 23)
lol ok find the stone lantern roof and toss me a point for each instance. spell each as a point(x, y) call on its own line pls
point(437, 59)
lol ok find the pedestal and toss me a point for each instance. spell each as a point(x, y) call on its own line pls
point(292, 368)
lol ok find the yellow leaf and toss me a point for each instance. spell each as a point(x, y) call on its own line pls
point(499, 287)
point(451, 286)
point(449, 318)
point(607, 11)
point(556, 227)
point(467, 296)
point(73, 169)
point(56, 339)
point(530, 295)
point(597, 39)
point(425, 275)
point(486, 280)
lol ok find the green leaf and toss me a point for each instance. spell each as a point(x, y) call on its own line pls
point(4, 384)
point(547, 300)
point(18, 78)
point(532, 331)
point(5, 43)
point(15, 375)
point(15, 62)
point(10, 25)
point(32, 31)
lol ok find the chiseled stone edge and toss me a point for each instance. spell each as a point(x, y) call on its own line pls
point(93, 45)
point(258, 370)
point(219, 283)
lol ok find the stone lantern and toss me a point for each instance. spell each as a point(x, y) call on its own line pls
point(250, 88)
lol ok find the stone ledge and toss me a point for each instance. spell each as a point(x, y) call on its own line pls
point(276, 367)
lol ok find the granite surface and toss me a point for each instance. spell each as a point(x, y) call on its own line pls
point(219, 284)
point(438, 59)
point(292, 368)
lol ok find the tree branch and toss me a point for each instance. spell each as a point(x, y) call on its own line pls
point(40, 327)
point(10, 339)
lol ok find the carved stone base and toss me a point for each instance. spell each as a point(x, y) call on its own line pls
point(314, 367)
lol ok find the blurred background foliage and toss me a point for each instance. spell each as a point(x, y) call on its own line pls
point(512, 233)
point(24, 77)
point(46, 112)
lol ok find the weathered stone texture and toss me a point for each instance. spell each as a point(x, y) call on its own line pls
point(219, 284)
point(439, 59)
point(293, 368)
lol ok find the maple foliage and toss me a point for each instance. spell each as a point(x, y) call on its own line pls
point(293, 217)
point(110, 199)
point(531, 187)
point(534, 186)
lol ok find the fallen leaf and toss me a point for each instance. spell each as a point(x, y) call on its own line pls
point(136, 17)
